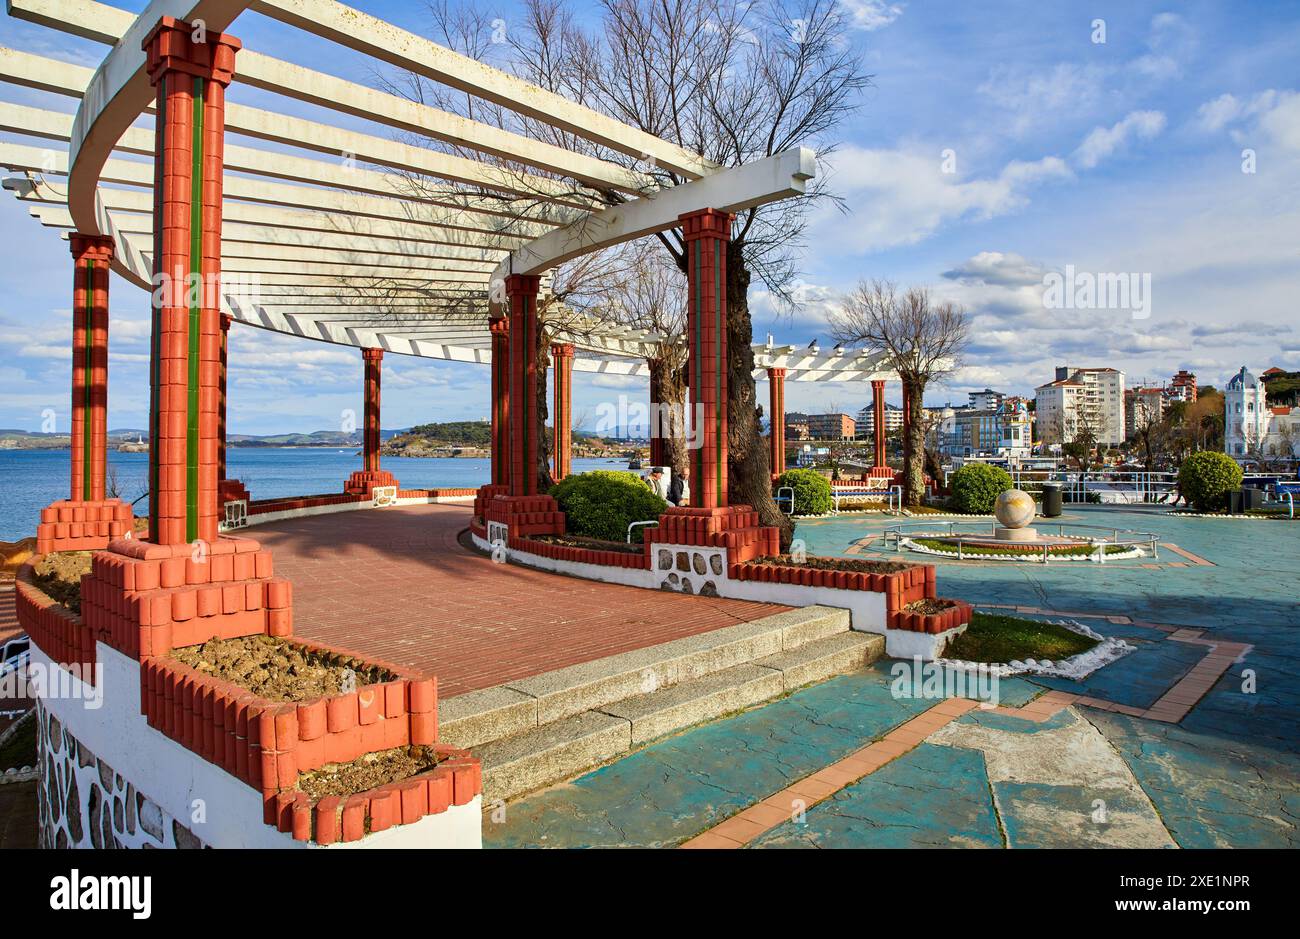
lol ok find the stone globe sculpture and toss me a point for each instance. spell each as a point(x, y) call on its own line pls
point(1014, 510)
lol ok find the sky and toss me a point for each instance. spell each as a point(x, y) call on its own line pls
point(1000, 148)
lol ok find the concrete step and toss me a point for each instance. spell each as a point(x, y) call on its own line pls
point(481, 717)
point(550, 753)
point(697, 700)
point(825, 658)
point(562, 749)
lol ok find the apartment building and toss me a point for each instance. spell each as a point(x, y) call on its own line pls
point(1082, 401)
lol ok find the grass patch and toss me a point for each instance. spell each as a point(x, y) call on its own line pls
point(1072, 551)
point(996, 638)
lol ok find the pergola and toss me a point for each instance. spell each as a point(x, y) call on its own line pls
point(323, 231)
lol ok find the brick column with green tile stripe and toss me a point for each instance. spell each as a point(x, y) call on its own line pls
point(190, 78)
point(707, 234)
point(92, 255)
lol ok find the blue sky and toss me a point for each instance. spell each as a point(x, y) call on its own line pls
point(999, 143)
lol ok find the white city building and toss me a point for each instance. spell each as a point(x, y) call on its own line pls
point(1253, 429)
point(1079, 400)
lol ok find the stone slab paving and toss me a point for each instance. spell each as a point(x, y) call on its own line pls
point(396, 584)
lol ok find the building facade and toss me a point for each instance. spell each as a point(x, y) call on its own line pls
point(1003, 431)
point(1251, 428)
point(1143, 406)
point(1182, 387)
point(831, 427)
point(865, 425)
point(1082, 401)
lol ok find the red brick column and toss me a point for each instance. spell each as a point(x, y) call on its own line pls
point(881, 467)
point(371, 474)
point(191, 79)
point(521, 291)
point(227, 489)
point(500, 329)
point(562, 413)
point(707, 233)
point(185, 584)
point(776, 417)
point(92, 255)
point(86, 520)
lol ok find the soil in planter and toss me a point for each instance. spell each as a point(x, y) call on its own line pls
point(276, 669)
point(366, 772)
point(20, 749)
point(993, 638)
point(851, 565)
point(594, 544)
point(927, 607)
point(59, 576)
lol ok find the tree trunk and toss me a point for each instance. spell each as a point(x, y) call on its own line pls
point(748, 467)
point(914, 446)
point(543, 358)
point(668, 378)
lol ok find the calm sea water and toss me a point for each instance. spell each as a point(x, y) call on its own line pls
point(32, 479)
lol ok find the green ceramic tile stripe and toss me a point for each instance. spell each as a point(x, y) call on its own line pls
point(195, 305)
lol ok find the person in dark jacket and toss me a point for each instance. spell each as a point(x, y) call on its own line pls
point(679, 490)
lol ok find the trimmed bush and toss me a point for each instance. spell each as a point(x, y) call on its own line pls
point(1205, 478)
point(812, 491)
point(976, 486)
point(602, 503)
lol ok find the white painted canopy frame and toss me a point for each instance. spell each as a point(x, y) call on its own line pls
point(355, 238)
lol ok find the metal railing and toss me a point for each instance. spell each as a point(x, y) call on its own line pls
point(654, 522)
point(893, 496)
point(1124, 537)
point(1082, 485)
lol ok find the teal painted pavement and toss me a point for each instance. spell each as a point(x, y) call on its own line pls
point(1252, 584)
point(682, 785)
point(1228, 775)
point(931, 797)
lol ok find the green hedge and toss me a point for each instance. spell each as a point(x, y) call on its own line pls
point(1205, 478)
point(812, 491)
point(976, 486)
point(602, 503)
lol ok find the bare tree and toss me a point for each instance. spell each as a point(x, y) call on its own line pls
point(733, 80)
point(922, 340)
point(1148, 419)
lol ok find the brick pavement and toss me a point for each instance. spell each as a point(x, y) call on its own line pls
point(395, 583)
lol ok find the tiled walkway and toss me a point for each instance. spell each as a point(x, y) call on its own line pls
point(1189, 740)
point(396, 584)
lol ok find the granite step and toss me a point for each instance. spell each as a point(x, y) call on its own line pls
point(562, 749)
point(481, 717)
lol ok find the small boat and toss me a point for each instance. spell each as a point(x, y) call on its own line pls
point(634, 464)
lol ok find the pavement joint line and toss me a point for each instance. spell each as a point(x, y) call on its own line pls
point(1182, 552)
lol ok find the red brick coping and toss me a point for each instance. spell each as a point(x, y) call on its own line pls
point(735, 528)
point(82, 526)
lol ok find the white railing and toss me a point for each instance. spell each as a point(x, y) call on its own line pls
point(654, 522)
point(1082, 485)
point(893, 496)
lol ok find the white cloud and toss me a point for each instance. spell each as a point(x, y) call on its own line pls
point(1104, 141)
point(872, 14)
point(903, 196)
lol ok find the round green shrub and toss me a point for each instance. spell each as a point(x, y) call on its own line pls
point(1205, 478)
point(602, 503)
point(976, 486)
point(812, 491)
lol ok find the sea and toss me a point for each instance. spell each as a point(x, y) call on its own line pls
point(32, 479)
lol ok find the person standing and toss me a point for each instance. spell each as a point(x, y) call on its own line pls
point(657, 484)
point(679, 490)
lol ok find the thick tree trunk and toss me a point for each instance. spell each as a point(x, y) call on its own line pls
point(749, 466)
point(668, 379)
point(914, 446)
point(543, 358)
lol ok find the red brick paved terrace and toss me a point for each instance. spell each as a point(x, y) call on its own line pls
point(408, 592)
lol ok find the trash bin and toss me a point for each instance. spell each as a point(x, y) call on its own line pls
point(1051, 500)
